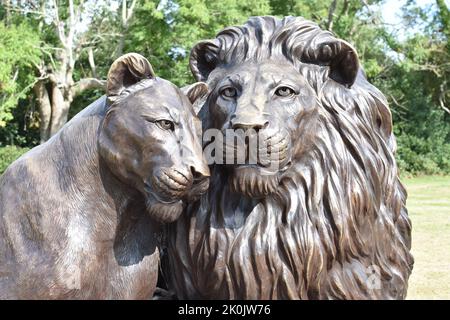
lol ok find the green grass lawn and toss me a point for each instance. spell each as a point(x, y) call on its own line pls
point(429, 209)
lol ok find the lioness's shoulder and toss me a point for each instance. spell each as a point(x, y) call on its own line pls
point(19, 171)
point(37, 165)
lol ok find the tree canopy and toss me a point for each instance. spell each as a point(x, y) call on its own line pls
point(55, 54)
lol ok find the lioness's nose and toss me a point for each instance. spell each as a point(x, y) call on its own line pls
point(193, 159)
point(200, 171)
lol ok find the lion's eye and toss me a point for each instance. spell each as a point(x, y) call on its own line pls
point(166, 125)
point(229, 92)
point(284, 92)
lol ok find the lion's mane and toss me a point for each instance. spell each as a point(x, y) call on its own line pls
point(336, 229)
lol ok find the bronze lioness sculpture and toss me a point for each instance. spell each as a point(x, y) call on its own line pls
point(330, 222)
point(80, 215)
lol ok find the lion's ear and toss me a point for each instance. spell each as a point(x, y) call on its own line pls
point(203, 59)
point(126, 71)
point(339, 55)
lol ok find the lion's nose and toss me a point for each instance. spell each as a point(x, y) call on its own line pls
point(255, 124)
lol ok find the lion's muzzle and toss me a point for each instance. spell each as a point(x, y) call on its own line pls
point(259, 160)
point(269, 149)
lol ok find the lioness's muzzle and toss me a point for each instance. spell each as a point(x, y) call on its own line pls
point(176, 183)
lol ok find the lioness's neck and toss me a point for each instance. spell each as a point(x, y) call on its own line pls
point(77, 150)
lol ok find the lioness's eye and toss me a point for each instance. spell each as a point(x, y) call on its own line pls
point(228, 92)
point(284, 92)
point(166, 125)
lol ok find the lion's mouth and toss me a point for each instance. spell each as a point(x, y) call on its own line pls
point(266, 149)
point(251, 182)
point(257, 181)
point(259, 175)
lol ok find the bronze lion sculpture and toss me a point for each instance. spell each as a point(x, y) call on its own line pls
point(80, 215)
point(330, 222)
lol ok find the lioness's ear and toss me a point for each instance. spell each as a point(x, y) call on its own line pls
point(126, 71)
point(338, 54)
point(195, 92)
point(203, 59)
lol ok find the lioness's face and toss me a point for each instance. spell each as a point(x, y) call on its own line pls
point(271, 101)
point(152, 138)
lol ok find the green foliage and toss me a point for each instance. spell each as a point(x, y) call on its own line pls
point(422, 156)
point(19, 50)
point(165, 34)
point(419, 83)
point(412, 70)
point(9, 154)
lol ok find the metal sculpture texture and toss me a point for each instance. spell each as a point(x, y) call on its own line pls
point(330, 221)
point(80, 215)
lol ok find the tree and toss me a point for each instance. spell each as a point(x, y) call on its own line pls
point(58, 51)
point(419, 81)
point(18, 53)
point(165, 31)
point(56, 88)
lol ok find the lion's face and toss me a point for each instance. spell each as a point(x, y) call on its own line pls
point(272, 102)
point(339, 209)
point(258, 81)
point(150, 139)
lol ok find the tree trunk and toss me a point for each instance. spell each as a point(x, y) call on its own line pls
point(331, 15)
point(60, 110)
point(127, 13)
point(92, 62)
point(45, 110)
point(7, 4)
point(54, 104)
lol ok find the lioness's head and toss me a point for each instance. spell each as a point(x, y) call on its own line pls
point(150, 137)
point(256, 87)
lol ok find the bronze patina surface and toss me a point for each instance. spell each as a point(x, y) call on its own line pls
point(329, 222)
point(80, 215)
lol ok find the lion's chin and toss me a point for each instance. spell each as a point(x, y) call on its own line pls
point(250, 182)
point(163, 212)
